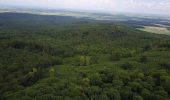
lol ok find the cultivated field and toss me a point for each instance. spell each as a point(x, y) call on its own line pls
point(156, 29)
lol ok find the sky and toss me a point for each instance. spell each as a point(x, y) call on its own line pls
point(137, 6)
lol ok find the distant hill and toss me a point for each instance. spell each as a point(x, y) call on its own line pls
point(63, 16)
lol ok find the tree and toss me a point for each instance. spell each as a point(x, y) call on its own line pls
point(46, 97)
point(126, 93)
point(137, 97)
point(95, 79)
point(87, 58)
point(143, 59)
point(116, 56)
point(30, 77)
point(112, 94)
point(86, 81)
point(136, 87)
point(127, 66)
point(52, 72)
point(146, 94)
point(84, 60)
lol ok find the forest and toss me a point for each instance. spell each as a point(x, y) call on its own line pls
point(66, 58)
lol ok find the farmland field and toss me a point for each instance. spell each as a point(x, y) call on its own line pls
point(156, 29)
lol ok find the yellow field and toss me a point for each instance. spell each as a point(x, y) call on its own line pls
point(156, 29)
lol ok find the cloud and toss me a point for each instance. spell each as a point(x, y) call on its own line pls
point(156, 6)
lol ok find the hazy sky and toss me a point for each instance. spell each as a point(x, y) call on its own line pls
point(140, 6)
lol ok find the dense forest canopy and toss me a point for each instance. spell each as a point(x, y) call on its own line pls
point(65, 58)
